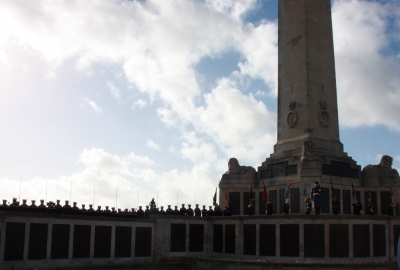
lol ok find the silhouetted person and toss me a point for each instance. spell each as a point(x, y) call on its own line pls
point(197, 211)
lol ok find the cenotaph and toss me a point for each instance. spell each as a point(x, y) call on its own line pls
point(308, 147)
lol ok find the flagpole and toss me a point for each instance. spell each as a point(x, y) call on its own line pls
point(137, 206)
point(177, 198)
point(20, 183)
point(46, 189)
point(94, 191)
point(116, 198)
point(70, 193)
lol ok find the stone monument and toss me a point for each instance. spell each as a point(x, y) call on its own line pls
point(308, 147)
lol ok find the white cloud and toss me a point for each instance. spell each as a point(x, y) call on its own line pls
point(106, 173)
point(115, 92)
point(139, 103)
point(368, 82)
point(93, 105)
point(101, 160)
point(152, 145)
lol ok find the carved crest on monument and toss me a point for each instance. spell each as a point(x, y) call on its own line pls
point(323, 116)
point(309, 151)
point(291, 117)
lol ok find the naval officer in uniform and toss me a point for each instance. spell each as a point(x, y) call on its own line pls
point(316, 196)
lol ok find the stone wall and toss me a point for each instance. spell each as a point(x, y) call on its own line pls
point(46, 241)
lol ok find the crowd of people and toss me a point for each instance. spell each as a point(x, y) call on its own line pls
point(67, 209)
point(316, 197)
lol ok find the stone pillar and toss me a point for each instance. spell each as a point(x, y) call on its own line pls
point(239, 238)
point(71, 241)
point(301, 236)
point(371, 241)
point(2, 240)
point(257, 241)
point(389, 241)
point(92, 234)
point(133, 241)
point(187, 239)
point(113, 229)
point(278, 240)
point(49, 238)
point(26, 244)
point(351, 242)
point(326, 230)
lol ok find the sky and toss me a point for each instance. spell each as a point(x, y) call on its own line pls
point(115, 102)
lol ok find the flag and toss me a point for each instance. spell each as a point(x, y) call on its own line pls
point(304, 191)
point(391, 195)
point(353, 193)
point(215, 197)
point(265, 197)
point(287, 191)
point(368, 197)
point(251, 194)
point(226, 196)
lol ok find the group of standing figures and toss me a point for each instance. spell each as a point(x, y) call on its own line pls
point(316, 197)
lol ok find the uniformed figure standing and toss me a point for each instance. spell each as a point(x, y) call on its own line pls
point(357, 207)
point(335, 205)
point(286, 207)
point(316, 196)
point(308, 206)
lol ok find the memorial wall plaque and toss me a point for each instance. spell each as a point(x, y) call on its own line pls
point(178, 237)
point(325, 207)
point(279, 169)
point(234, 202)
point(230, 239)
point(290, 240)
point(102, 241)
point(346, 202)
point(196, 238)
point(384, 202)
point(379, 242)
point(267, 240)
point(123, 240)
point(81, 247)
point(361, 240)
point(338, 194)
point(218, 238)
point(295, 200)
point(143, 240)
point(314, 240)
point(261, 204)
point(273, 197)
point(338, 240)
point(60, 241)
point(249, 239)
point(15, 239)
point(37, 241)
